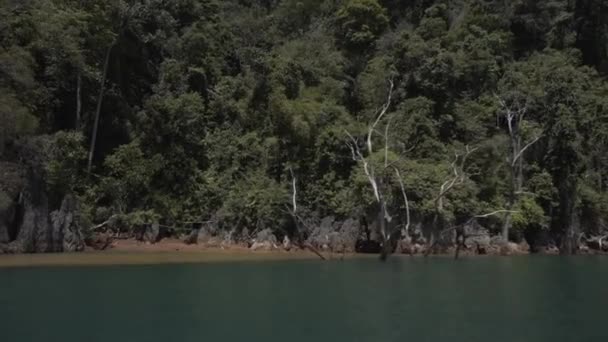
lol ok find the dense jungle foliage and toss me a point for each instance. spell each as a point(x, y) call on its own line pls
point(195, 110)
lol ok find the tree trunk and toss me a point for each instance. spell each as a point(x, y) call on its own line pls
point(78, 100)
point(382, 227)
point(98, 108)
point(569, 240)
point(506, 225)
point(517, 180)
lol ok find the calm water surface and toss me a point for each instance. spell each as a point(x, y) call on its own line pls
point(533, 299)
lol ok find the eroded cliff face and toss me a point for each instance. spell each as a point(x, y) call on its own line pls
point(27, 223)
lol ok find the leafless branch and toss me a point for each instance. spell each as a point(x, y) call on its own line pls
point(407, 204)
point(295, 191)
point(495, 213)
point(458, 169)
point(105, 223)
point(521, 152)
point(388, 125)
point(385, 108)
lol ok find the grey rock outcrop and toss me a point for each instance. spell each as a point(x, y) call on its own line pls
point(336, 236)
point(66, 229)
point(320, 235)
point(35, 232)
point(476, 236)
point(11, 184)
point(264, 240)
point(207, 234)
point(41, 232)
point(152, 233)
point(26, 222)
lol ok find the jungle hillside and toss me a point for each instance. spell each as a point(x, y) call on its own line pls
point(370, 125)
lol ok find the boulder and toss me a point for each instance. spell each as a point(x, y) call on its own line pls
point(477, 236)
point(66, 226)
point(262, 246)
point(229, 239)
point(510, 248)
point(584, 249)
point(349, 233)
point(264, 240)
point(416, 234)
point(207, 235)
point(286, 243)
point(152, 233)
point(100, 242)
point(523, 247)
point(12, 182)
point(405, 246)
point(335, 236)
point(320, 235)
point(36, 233)
point(192, 237)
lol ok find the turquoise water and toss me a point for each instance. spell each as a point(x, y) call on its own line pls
point(484, 299)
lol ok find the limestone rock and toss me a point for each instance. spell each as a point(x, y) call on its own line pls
point(266, 236)
point(100, 242)
point(264, 240)
point(152, 233)
point(35, 233)
point(66, 229)
point(207, 234)
point(510, 248)
point(477, 236)
point(262, 246)
point(286, 243)
point(350, 231)
point(320, 235)
point(12, 182)
point(192, 237)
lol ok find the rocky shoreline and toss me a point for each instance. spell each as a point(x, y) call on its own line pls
point(331, 238)
point(28, 225)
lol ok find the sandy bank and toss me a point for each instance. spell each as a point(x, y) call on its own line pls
point(131, 252)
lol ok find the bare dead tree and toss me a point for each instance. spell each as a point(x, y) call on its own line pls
point(375, 178)
point(407, 204)
point(457, 176)
point(299, 240)
point(514, 114)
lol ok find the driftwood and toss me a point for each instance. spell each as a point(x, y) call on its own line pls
point(598, 242)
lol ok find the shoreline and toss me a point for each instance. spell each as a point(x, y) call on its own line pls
point(132, 252)
point(174, 251)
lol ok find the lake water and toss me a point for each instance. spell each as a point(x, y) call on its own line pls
point(532, 299)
